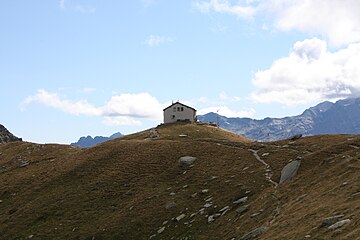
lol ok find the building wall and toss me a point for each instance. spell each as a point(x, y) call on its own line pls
point(179, 112)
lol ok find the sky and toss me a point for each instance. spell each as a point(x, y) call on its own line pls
point(72, 68)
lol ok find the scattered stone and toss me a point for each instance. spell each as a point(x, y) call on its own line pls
point(212, 218)
point(224, 209)
point(161, 230)
point(254, 233)
point(241, 200)
point(193, 195)
point(207, 205)
point(245, 168)
point(242, 209)
point(354, 146)
point(290, 170)
point(331, 220)
point(30, 236)
point(152, 236)
point(24, 163)
point(339, 224)
point(202, 211)
point(308, 236)
point(209, 199)
point(181, 216)
point(1, 201)
point(193, 215)
point(357, 194)
point(185, 186)
point(254, 214)
point(186, 161)
point(205, 191)
point(265, 154)
point(165, 222)
point(214, 177)
point(170, 205)
point(183, 135)
point(172, 194)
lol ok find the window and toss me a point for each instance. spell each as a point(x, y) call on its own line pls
point(182, 109)
point(178, 109)
point(173, 116)
point(174, 109)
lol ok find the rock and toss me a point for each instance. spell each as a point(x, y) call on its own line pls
point(241, 200)
point(242, 209)
point(161, 230)
point(183, 135)
point(224, 209)
point(331, 220)
point(170, 205)
point(212, 218)
point(172, 194)
point(357, 194)
point(254, 233)
point(207, 205)
point(255, 214)
point(339, 224)
point(154, 133)
point(205, 191)
point(290, 170)
point(181, 216)
point(186, 161)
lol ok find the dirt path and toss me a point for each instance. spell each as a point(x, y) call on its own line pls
point(269, 173)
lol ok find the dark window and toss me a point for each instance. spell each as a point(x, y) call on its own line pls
point(174, 109)
point(173, 116)
point(178, 109)
point(182, 109)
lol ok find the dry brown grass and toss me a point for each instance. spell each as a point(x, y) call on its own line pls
point(119, 189)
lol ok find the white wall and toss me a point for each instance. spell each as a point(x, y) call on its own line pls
point(185, 113)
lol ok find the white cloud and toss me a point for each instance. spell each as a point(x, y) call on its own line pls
point(123, 109)
point(336, 20)
point(154, 40)
point(310, 73)
point(141, 105)
point(224, 6)
point(225, 111)
point(53, 100)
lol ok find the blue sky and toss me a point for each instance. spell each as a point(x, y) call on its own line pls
point(91, 67)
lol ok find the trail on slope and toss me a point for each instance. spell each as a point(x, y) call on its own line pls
point(268, 177)
point(269, 173)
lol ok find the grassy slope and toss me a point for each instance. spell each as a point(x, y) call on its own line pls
point(119, 189)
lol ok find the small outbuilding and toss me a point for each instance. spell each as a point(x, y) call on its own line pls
point(178, 112)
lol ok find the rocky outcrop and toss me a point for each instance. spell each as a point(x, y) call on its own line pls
point(6, 136)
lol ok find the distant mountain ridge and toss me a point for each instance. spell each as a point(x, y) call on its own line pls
point(342, 117)
point(89, 141)
point(6, 136)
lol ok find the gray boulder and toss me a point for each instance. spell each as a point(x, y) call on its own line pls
point(290, 170)
point(186, 162)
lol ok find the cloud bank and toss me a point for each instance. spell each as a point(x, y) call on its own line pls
point(336, 20)
point(310, 73)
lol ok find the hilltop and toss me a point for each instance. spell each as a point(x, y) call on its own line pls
point(134, 187)
point(325, 118)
